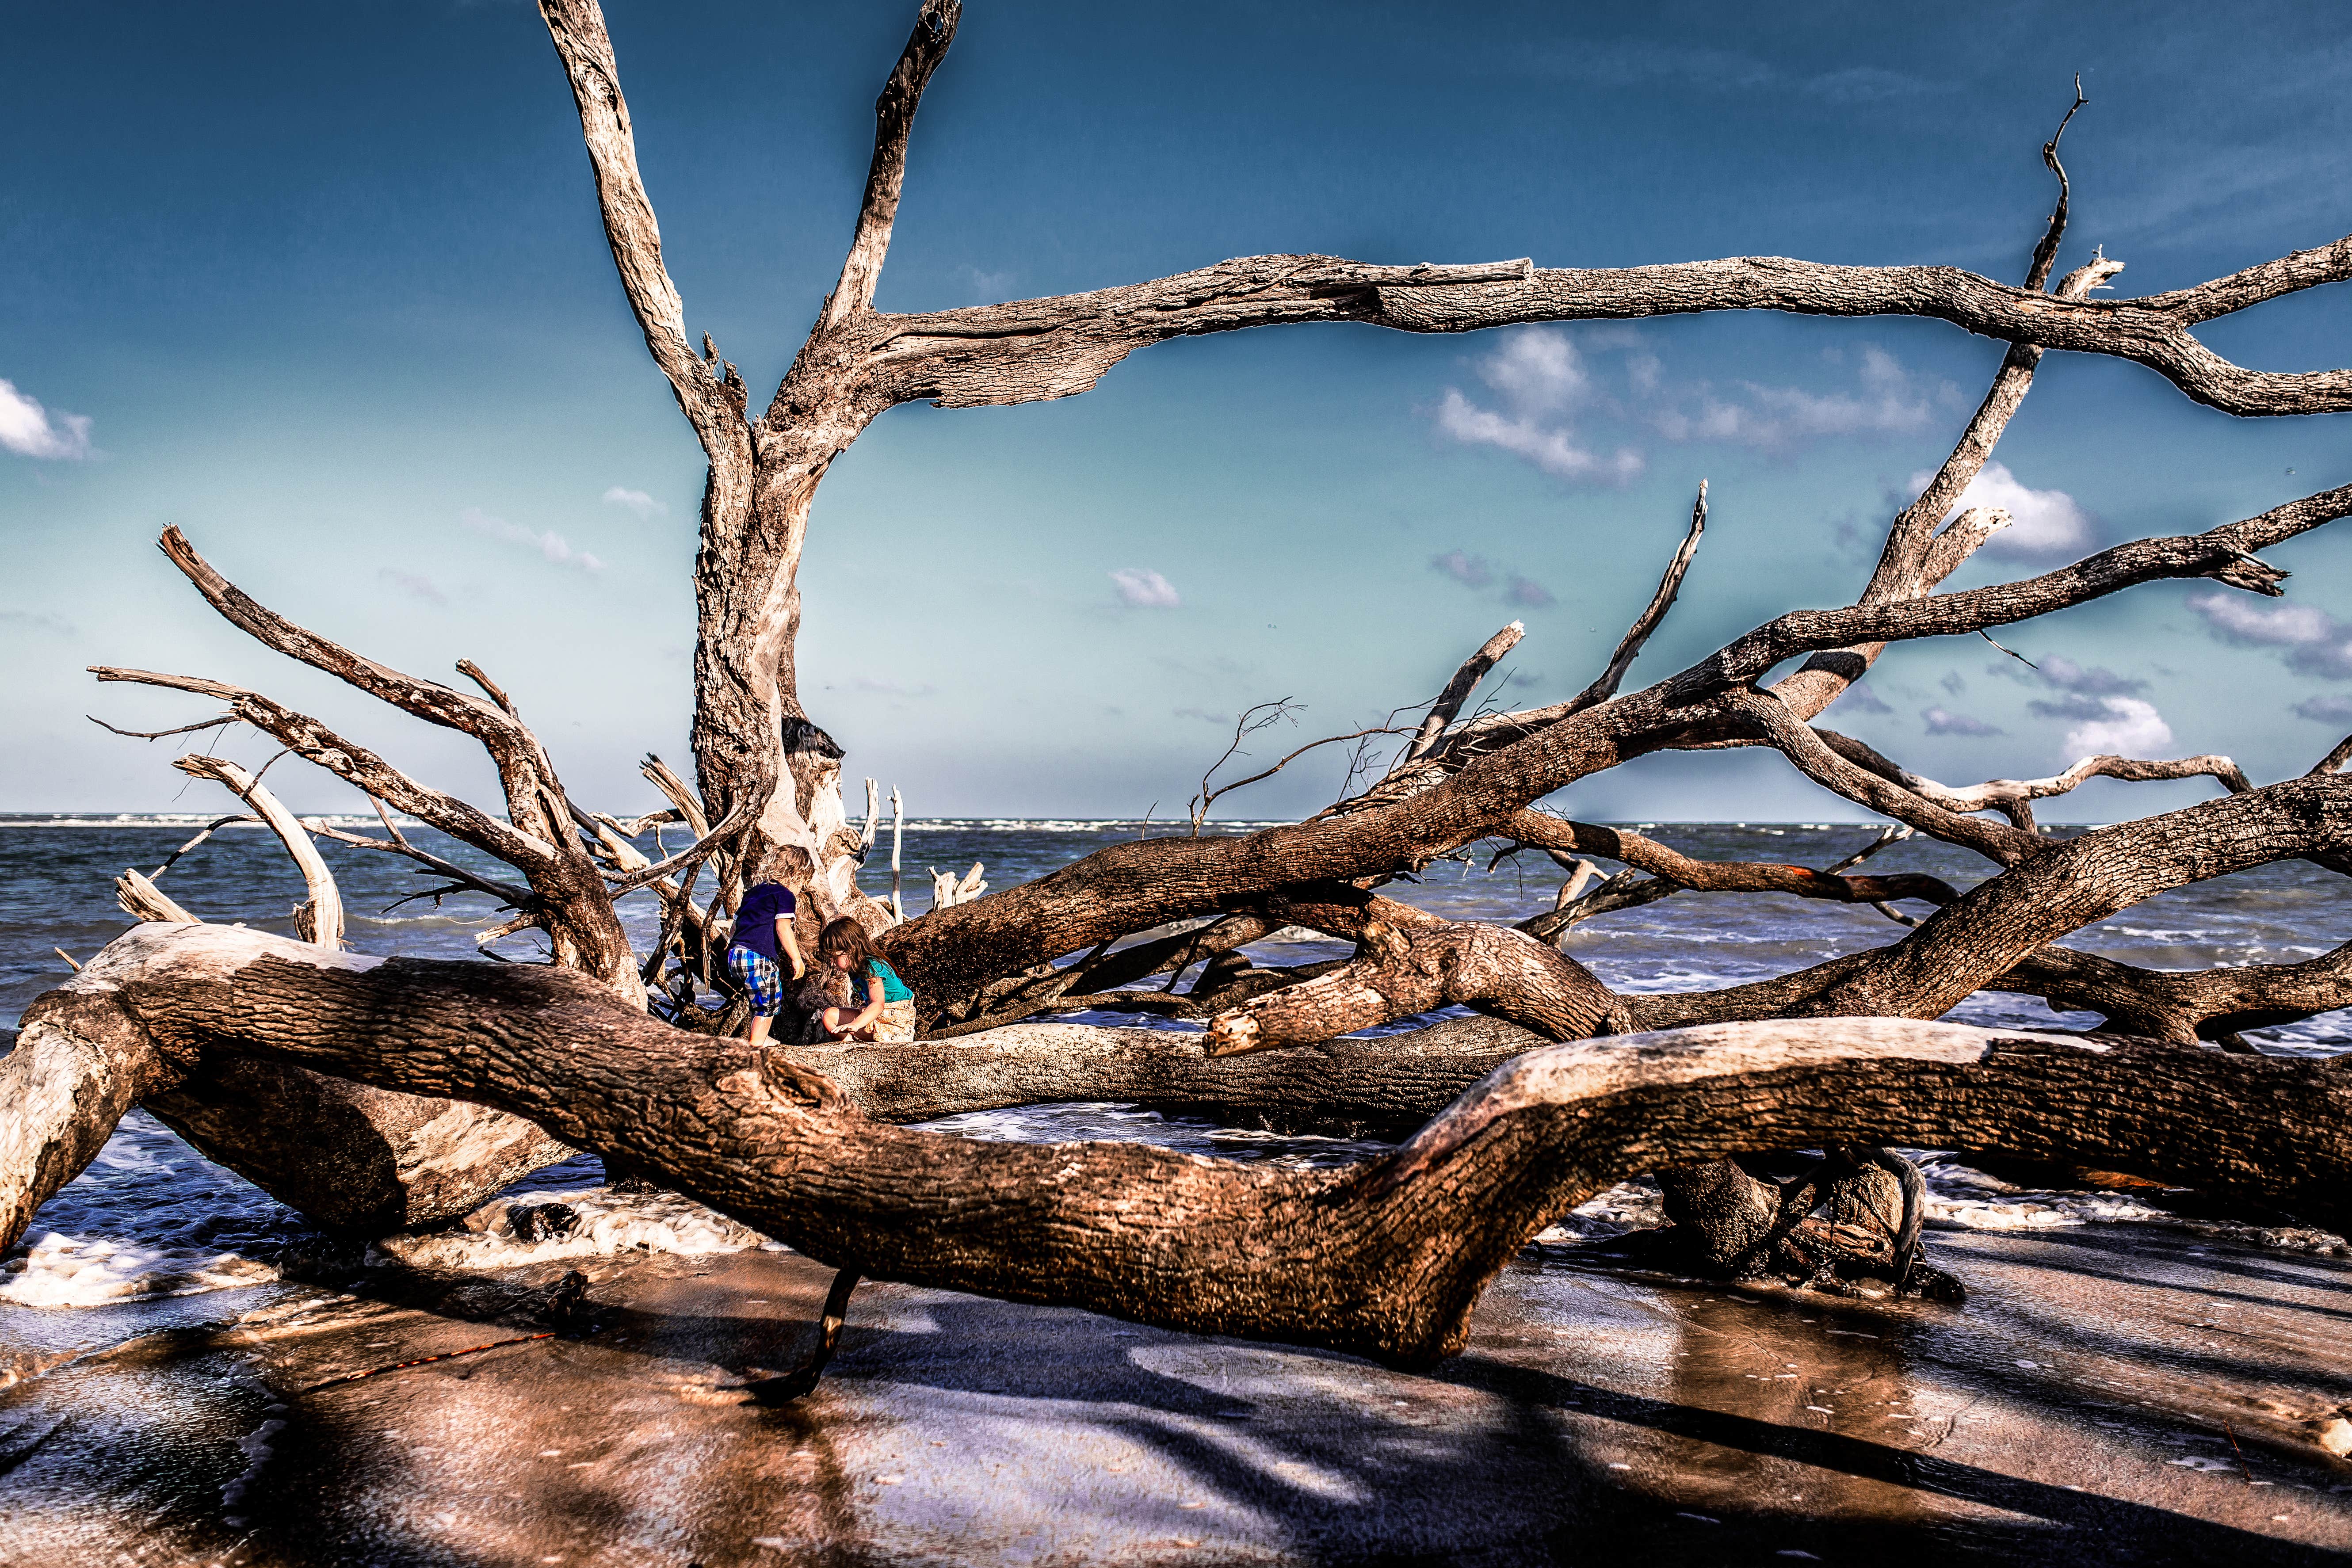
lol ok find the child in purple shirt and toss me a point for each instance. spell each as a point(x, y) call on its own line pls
point(764, 942)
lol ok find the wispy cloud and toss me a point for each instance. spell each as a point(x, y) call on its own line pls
point(1860, 699)
point(887, 688)
point(2042, 522)
point(987, 287)
point(30, 430)
point(2064, 675)
point(2325, 710)
point(37, 621)
point(1140, 588)
point(1549, 388)
point(2315, 642)
point(1636, 63)
point(1953, 682)
point(1551, 446)
point(1470, 571)
point(414, 586)
point(1886, 400)
point(1941, 721)
point(1477, 571)
point(637, 501)
point(550, 544)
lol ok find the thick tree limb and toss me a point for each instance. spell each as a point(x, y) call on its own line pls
point(2184, 1007)
point(712, 400)
point(1384, 1259)
point(1409, 961)
point(1030, 349)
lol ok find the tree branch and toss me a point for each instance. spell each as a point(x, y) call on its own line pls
point(894, 120)
point(320, 919)
point(712, 400)
point(1457, 691)
point(1031, 349)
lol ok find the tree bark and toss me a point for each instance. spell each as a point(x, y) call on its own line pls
point(1384, 1259)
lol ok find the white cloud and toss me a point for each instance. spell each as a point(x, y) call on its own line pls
point(1888, 400)
point(30, 430)
point(637, 501)
point(1550, 386)
point(2132, 728)
point(1140, 588)
point(1552, 449)
point(1536, 371)
point(1941, 721)
point(550, 544)
point(2042, 522)
point(2317, 642)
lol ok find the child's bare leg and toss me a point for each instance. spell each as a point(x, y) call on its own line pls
point(832, 1017)
point(757, 1032)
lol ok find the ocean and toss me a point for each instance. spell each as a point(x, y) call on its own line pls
point(151, 1219)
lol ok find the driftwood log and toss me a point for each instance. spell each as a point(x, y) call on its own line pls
point(1384, 1259)
point(1388, 1257)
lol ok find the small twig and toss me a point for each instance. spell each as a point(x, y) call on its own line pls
point(68, 957)
point(159, 734)
point(1200, 812)
point(1249, 723)
point(422, 1361)
point(2045, 254)
point(2011, 651)
point(1893, 833)
point(2243, 1468)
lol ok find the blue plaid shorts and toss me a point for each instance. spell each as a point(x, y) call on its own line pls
point(763, 978)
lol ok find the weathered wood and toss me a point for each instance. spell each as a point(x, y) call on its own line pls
point(1385, 1259)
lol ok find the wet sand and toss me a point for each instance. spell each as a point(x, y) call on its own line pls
point(2108, 1394)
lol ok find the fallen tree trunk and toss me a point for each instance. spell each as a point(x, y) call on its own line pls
point(350, 1157)
point(1384, 1259)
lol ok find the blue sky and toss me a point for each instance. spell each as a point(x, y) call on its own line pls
point(325, 286)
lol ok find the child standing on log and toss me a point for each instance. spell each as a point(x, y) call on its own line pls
point(762, 943)
point(888, 1014)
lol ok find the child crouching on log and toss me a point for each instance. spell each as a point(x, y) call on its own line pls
point(764, 944)
point(888, 1014)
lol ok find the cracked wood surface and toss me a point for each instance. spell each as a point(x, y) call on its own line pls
point(1384, 1259)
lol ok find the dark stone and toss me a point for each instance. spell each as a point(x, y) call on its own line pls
point(543, 1222)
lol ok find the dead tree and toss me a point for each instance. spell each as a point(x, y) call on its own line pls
point(1386, 1258)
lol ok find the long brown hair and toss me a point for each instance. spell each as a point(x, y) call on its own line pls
point(846, 936)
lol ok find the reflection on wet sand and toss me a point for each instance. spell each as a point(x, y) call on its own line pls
point(2089, 1391)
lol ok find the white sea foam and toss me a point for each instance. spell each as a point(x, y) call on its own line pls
point(608, 1223)
point(60, 1270)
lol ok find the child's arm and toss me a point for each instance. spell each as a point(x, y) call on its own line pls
point(790, 945)
point(871, 1011)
